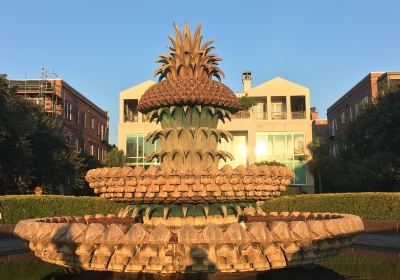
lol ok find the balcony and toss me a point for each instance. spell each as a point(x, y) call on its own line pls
point(260, 115)
point(299, 115)
point(241, 115)
point(130, 110)
point(278, 115)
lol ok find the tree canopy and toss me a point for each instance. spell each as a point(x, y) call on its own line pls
point(369, 158)
point(115, 158)
point(34, 148)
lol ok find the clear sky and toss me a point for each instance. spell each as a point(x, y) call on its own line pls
point(103, 47)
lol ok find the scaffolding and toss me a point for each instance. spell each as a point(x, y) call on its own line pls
point(42, 92)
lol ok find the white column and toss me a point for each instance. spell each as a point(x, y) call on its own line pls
point(307, 107)
point(288, 108)
point(269, 108)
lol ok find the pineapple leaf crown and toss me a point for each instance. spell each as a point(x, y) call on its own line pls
point(188, 58)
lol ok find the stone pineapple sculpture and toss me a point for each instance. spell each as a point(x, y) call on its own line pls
point(189, 103)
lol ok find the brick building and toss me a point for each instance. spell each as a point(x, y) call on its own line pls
point(319, 126)
point(349, 105)
point(86, 123)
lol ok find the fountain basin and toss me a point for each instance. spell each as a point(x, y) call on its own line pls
point(118, 244)
point(154, 185)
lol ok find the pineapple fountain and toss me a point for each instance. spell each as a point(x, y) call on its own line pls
point(190, 209)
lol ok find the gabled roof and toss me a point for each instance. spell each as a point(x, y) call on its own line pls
point(136, 91)
point(278, 87)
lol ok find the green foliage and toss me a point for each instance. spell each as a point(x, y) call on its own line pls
point(115, 158)
point(324, 167)
point(369, 157)
point(34, 149)
point(19, 207)
point(292, 190)
point(270, 163)
point(246, 102)
point(371, 160)
point(376, 206)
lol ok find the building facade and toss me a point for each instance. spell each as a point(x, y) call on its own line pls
point(348, 106)
point(86, 124)
point(319, 126)
point(278, 128)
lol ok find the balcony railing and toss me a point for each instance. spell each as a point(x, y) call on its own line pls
point(260, 115)
point(298, 115)
point(278, 115)
point(241, 115)
point(131, 118)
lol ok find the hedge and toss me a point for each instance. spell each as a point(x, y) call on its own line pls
point(18, 207)
point(377, 206)
point(292, 190)
point(374, 206)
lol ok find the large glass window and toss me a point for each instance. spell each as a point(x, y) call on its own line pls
point(237, 147)
point(137, 149)
point(286, 147)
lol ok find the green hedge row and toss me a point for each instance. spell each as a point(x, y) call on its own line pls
point(292, 190)
point(375, 206)
point(14, 208)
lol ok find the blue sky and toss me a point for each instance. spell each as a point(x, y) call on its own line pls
point(103, 47)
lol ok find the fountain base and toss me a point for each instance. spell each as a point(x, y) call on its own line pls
point(115, 244)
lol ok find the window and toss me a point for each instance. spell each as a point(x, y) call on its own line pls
point(78, 116)
point(70, 112)
point(260, 111)
point(365, 100)
point(91, 121)
point(356, 108)
point(278, 107)
point(92, 149)
point(130, 110)
point(67, 110)
point(286, 147)
point(343, 117)
point(84, 120)
point(137, 149)
point(237, 147)
point(102, 132)
point(332, 127)
point(351, 112)
point(298, 107)
point(98, 128)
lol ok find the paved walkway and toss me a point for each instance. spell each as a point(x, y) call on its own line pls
point(383, 241)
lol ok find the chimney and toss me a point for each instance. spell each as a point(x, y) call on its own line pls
point(313, 113)
point(246, 79)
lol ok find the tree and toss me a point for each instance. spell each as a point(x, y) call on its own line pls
point(323, 165)
point(369, 159)
point(371, 153)
point(115, 158)
point(34, 149)
point(246, 102)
